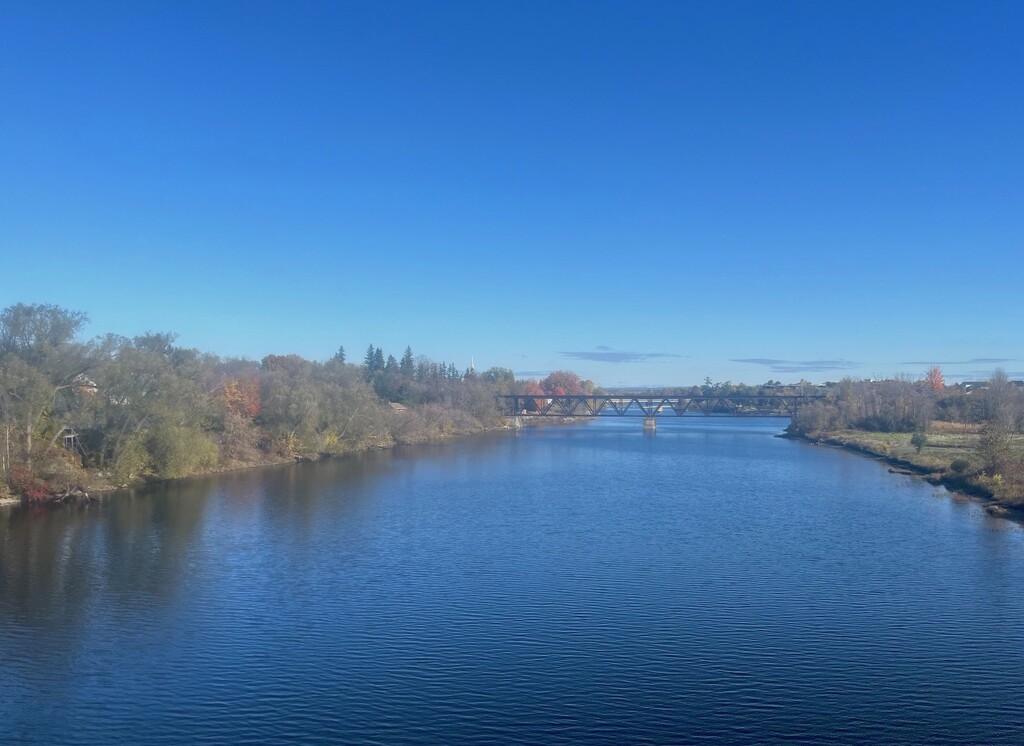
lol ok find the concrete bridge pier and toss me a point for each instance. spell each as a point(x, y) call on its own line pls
point(650, 424)
point(514, 422)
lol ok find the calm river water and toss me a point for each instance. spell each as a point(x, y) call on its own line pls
point(708, 584)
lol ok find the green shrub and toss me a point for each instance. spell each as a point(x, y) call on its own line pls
point(180, 451)
point(919, 440)
point(960, 465)
point(131, 459)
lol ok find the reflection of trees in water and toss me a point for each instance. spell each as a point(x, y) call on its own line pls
point(65, 571)
point(55, 565)
point(134, 549)
point(147, 541)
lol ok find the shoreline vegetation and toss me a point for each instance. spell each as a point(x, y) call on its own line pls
point(966, 438)
point(900, 460)
point(80, 417)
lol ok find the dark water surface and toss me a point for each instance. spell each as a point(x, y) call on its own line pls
point(709, 584)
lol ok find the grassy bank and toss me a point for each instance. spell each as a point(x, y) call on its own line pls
point(951, 456)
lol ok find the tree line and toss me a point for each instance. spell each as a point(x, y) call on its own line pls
point(906, 405)
point(118, 409)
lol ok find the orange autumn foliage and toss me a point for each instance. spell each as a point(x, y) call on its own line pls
point(243, 397)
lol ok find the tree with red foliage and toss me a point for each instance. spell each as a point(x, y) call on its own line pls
point(531, 387)
point(934, 380)
point(562, 382)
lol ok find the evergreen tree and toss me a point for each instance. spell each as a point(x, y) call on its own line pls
point(407, 366)
point(378, 359)
point(339, 356)
point(368, 360)
point(391, 364)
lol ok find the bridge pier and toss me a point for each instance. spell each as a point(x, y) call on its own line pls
point(650, 424)
point(514, 422)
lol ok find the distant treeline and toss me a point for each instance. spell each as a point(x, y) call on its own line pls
point(113, 410)
point(909, 406)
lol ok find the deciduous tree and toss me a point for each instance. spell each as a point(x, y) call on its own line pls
point(40, 361)
point(934, 380)
point(562, 382)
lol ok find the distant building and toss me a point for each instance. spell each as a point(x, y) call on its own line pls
point(84, 385)
point(969, 386)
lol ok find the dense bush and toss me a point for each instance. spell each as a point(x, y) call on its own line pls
point(960, 465)
point(130, 459)
point(180, 451)
point(25, 483)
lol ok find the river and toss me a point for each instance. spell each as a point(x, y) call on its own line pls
point(589, 583)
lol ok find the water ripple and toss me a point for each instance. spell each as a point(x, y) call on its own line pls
point(709, 585)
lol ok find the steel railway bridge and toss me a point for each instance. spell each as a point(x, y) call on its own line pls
point(650, 405)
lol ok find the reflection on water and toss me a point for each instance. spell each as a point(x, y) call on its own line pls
point(584, 583)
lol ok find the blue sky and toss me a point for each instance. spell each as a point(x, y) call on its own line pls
point(644, 193)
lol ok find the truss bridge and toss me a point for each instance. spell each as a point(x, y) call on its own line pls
point(651, 405)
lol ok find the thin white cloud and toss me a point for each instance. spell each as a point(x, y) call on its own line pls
point(606, 355)
point(798, 366)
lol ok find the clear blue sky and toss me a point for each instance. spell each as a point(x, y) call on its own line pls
point(646, 193)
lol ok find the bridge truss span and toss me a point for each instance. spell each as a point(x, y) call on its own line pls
point(649, 405)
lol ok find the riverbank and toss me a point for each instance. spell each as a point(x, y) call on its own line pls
point(97, 482)
point(950, 459)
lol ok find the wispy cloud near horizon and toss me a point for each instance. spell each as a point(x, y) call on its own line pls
point(798, 366)
point(605, 354)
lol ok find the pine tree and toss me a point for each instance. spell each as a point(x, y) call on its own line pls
point(407, 366)
point(378, 359)
point(339, 356)
point(368, 360)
